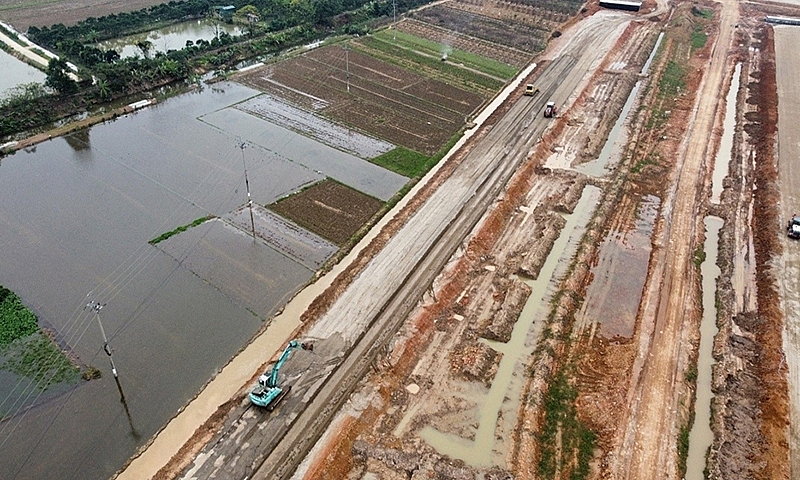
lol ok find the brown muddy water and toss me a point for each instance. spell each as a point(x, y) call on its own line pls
point(501, 402)
point(76, 214)
point(701, 436)
point(613, 297)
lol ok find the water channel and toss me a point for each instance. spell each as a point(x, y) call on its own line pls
point(612, 149)
point(479, 452)
point(726, 142)
point(701, 436)
point(171, 37)
point(76, 214)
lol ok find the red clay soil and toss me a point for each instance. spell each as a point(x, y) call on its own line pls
point(774, 394)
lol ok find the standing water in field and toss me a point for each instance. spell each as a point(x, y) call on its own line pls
point(478, 452)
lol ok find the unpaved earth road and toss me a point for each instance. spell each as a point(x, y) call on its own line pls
point(648, 442)
point(788, 71)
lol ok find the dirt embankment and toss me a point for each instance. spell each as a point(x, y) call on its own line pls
point(750, 409)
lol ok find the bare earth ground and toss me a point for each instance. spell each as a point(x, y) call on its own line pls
point(437, 367)
point(23, 14)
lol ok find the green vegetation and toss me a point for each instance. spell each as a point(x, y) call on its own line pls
point(691, 374)
point(39, 359)
point(403, 161)
point(673, 80)
point(698, 38)
point(386, 50)
point(434, 49)
point(706, 13)
point(699, 256)
point(16, 320)
point(25, 350)
point(180, 229)
point(577, 440)
point(683, 448)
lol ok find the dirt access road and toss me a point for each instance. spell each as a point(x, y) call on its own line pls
point(648, 442)
point(788, 71)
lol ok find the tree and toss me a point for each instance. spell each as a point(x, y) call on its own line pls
point(58, 79)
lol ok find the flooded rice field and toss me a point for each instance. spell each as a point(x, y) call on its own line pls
point(77, 214)
point(307, 123)
point(16, 72)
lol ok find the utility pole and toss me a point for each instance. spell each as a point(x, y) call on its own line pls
point(247, 185)
point(394, 19)
point(97, 306)
point(347, 63)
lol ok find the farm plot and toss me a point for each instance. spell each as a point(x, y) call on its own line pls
point(329, 209)
point(311, 125)
point(460, 41)
point(378, 98)
point(508, 32)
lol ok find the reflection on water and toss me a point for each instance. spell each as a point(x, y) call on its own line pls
point(172, 37)
point(76, 214)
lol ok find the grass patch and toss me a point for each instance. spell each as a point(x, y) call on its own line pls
point(683, 447)
point(577, 440)
point(698, 38)
point(706, 13)
point(673, 80)
point(16, 320)
point(180, 229)
point(403, 161)
point(40, 360)
point(436, 50)
point(691, 374)
point(698, 257)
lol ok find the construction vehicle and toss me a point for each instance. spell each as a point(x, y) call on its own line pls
point(793, 229)
point(267, 393)
point(550, 110)
point(531, 90)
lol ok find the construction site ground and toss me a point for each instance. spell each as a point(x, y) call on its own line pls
point(560, 338)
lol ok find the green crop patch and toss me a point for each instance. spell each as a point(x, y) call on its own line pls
point(458, 57)
point(16, 320)
point(180, 229)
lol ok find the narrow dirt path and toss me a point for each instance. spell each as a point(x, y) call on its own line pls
point(651, 430)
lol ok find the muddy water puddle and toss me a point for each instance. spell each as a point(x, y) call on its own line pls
point(483, 449)
point(724, 154)
point(617, 138)
point(613, 297)
point(701, 436)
